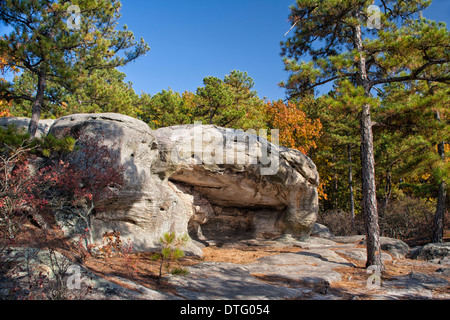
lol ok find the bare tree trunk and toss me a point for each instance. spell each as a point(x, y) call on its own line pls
point(89, 218)
point(86, 214)
point(37, 105)
point(350, 183)
point(438, 223)
point(387, 189)
point(335, 192)
point(368, 163)
point(369, 191)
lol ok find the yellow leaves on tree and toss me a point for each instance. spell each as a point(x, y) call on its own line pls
point(4, 109)
point(4, 105)
point(297, 131)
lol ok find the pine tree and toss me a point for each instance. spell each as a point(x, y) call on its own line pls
point(215, 101)
point(45, 43)
point(166, 108)
point(396, 46)
point(103, 90)
point(339, 142)
point(230, 103)
point(414, 130)
point(245, 101)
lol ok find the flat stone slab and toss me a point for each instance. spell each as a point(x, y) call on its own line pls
point(312, 267)
point(349, 239)
point(360, 254)
point(414, 286)
point(220, 280)
point(416, 281)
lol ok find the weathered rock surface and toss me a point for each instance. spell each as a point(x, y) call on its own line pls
point(433, 251)
point(23, 123)
point(361, 254)
point(147, 206)
point(244, 200)
point(322, 231)
point(318, 273)
point(314, 273)
point(57, 277)
point(220, 280)
point(226, 183)
point(397, 248)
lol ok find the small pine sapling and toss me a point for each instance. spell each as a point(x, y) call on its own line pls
point(170, 250)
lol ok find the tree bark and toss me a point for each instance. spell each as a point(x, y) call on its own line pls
point(335, 192)
point(368, 162)
point(387, 189)
point(350, 183)
point(37, 105)
point(369, 191)
point(438, 223)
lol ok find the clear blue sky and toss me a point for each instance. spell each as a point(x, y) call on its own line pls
point(190, 40)
point(193, 39)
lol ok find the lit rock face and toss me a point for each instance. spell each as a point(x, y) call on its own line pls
point(212, 182)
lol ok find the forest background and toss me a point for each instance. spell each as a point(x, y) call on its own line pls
point(82, 71)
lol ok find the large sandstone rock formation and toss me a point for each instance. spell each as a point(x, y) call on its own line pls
point(211, 182)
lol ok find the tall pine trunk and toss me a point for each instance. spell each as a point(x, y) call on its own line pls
point(350, 183)
point(369, 191)
point(387, 189)
point(37, 105)
point(335, 192)
point(368, 162)
point(438, 223)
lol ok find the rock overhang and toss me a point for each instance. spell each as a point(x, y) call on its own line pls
point(158, 195)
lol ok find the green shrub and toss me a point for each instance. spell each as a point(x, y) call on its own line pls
point(12, 138)
point(179, 271)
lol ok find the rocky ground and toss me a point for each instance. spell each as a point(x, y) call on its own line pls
point(316, 269)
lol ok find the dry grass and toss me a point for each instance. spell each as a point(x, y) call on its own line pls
point(354, 280)
point(243, 255)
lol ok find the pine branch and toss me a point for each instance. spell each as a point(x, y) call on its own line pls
point(415, 75)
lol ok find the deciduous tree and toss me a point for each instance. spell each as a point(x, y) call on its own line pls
point(296, 130)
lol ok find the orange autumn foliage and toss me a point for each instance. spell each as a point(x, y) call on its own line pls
point(4, 109)
point(5, 106)
point(297, 131)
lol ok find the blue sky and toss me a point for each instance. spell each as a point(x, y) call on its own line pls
point(193, 39)
point(190, 40)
